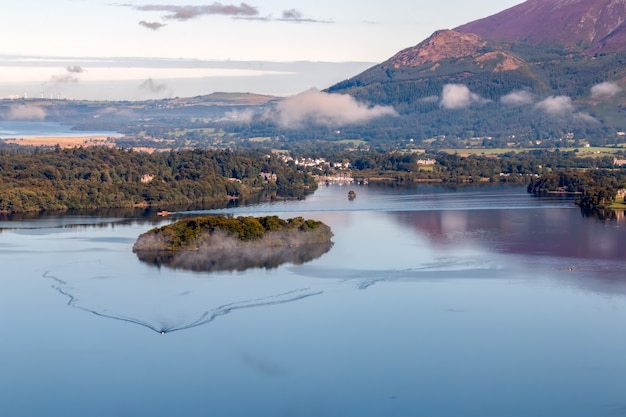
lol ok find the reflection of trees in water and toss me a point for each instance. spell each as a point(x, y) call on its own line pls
point(235, 259)
point(129, 215)
point(605, 214)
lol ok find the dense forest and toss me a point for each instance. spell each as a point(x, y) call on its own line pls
point(85, 178)
point(596, 189)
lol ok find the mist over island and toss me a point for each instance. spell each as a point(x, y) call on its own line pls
point(219, 243)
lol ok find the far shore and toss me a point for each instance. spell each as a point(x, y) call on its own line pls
point(63, 141)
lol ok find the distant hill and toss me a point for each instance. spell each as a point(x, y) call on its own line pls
point(542, 69)
point(222, 99)
point(149, 117)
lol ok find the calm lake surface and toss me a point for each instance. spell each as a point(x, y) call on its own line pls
point(431, 302)
point(22, 129)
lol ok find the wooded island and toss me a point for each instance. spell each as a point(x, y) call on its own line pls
point(216, 243)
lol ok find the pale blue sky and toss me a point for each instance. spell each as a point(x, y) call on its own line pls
point(256, 30)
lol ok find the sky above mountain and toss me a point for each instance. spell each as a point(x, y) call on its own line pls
point(151, 49)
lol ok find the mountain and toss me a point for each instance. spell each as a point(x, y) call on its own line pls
point(447, 44)
point(528, 71)
point(447, 56)
point(595, 25)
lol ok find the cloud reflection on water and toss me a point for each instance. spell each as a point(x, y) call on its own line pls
point(547, 233)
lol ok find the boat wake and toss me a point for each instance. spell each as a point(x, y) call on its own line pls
point(160, 314)
point(441, 270)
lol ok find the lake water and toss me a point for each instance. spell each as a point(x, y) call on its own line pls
point(431, 302)
point(23, 129)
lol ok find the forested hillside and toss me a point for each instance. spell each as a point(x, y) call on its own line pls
point(81, 178)
point(417, 93)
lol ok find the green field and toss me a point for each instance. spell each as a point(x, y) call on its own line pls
point(483, 151)
point(353, 142)
point(618, 204)
point(582, 151)
point(595, 150)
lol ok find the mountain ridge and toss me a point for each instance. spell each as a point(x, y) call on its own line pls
point(450, 44)
point(597, 26)
point(442, 44)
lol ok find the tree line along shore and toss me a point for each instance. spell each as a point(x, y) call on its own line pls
point(37, 179)
point(96, 177)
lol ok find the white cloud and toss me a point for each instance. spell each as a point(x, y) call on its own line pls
point(606, 89)
point(562, 106)
point(556, 105)
point(585, 117)
point(458, 96)
point(26, 112)
point(518, 98)
point(313, 106)
point(242, 116)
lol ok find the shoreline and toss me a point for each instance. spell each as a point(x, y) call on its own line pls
point(62, 141)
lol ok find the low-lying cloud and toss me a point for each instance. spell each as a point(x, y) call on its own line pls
point(458, 96)
point(319, 108)
point(241, 116)
point(606, 89)
point(25, 112)
point(556, 105)
point(518, 98)
point(563, 106)
point(585, 117)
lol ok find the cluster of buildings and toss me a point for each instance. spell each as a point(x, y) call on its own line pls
point(315, 162)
